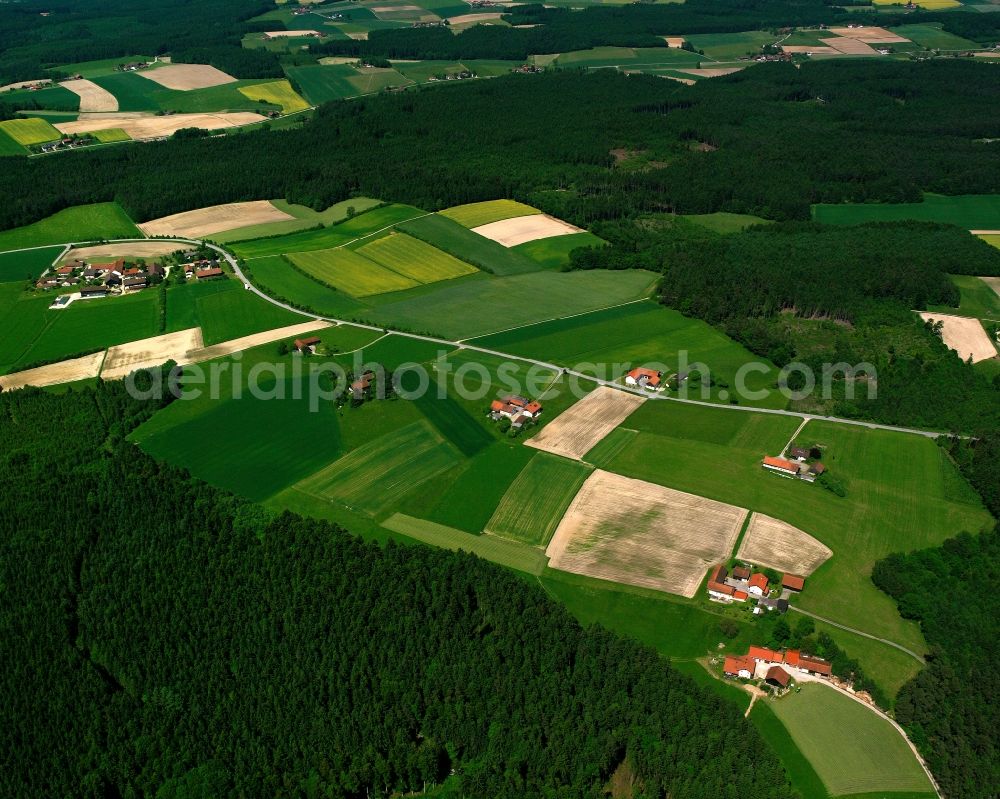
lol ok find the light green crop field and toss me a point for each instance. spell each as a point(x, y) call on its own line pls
point(478, 307)
point(731, 45)
point(79, 223)
point(978, 299)
point(607, 343)
point(279, 92)
point(852, 749)
point(358, 227)
point(932, 37)
point(26, 264)
point(414, 259)
point(608, 448)
point(455, 239)
point(255, 447)
point(350, 272)
point(231, 312)
point(304, 218)
point(902, 494)
point(969, 211)
point(507, 553)
point(31, 130)
point(553, 252)
point(278, 278)
point(534, 504)
point(111, 135)
point(476, 214)
point(376, 476)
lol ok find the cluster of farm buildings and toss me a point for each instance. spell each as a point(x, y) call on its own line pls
point(518, 410)
point(799, 463)
point(743, 583)
point(773, 667)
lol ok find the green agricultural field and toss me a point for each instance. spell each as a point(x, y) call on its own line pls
point(19, 266)
point(852, 749)
point(731, 45)
point(106, 66)
point(507, 553)
point(803, 776)
point(377, 475)
point(232, 312)
point(305, 218)
point(609, 447)
point(349, 272)
point(10, 147)
point(30, 130)
point(137, 93)
point(22, 322)
point(358, 227)
point(478, 307)
point(80, 223)
point(86, 326)
point(553, 252)
point(414, 259)
point(54, 98)
point(111, 135)
point(323, 83)
point(451, 420)
point(278, 278)
point(465, 497)
point(535, 503)
point(182, 302)
point(969, 211)
point(279, 93)
point(629, 58)
point(255, 447)
point(607, 343)
point(455, 239)
point(476, 214)
point(932, 37)
point(902, 494)
point(978, 299)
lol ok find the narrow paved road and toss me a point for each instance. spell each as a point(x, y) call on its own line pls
point(885, 641)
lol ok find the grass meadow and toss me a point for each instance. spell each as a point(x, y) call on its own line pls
point(978, 299)
point(455, 239)
point(278, 278)
point(801, 772)
point(30, 130)
point(852, 749)
point(26, 265)
point(111, 135)
point(10, 147)
point(553, 252)
point(731, 45)
point(931, 36)
point(628, 57)
point(79, 223)
point(232, 312)
point(450, 418)
point(969, 211)
point(533, 506)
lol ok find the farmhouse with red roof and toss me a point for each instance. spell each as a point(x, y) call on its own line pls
point(641, 377)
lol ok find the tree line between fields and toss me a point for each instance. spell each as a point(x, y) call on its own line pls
point(561, 30)
point(162, 637)
point(815, 294)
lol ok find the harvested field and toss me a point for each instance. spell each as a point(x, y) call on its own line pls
point(718, 72)
point(149, 352)
point(776, 544)
point(848, 46)
point(154, 127)
point(138, 249)
point(809, 49)
point(577, 430)
point(62, 372)
point(461, 19)
point(638, 533)
point(214, 219)
point(872, 35)
point(92, 96)
point(674, 41)
point(290, 34)
point(254, 340)
point(511, 232)
point(185, 77)
point(966, 336)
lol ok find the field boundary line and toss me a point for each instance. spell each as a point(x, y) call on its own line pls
point(863, 634)
point(553, 319)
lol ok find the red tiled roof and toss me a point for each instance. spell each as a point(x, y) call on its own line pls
point(517, 401)
point(496, 405)
point(793, 581)
point(758, 580)
point(534, 407)
point(816, 665)
point(208, 273)
point(792, 657)
point(735, 664)
point(302, 343)
point(721, 588)
point(65, 270)
point(741, 595)
point(763, 653)
point(781, 463)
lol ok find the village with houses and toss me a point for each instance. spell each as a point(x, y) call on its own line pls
point(742, 584)
point(93, 279)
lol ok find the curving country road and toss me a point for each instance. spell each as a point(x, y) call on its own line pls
point(840, 626)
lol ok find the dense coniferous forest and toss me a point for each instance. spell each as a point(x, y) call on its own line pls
point(89, 30)
point(779, 138)
point(949, 709)
point(161, 637)
point(813, 294)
